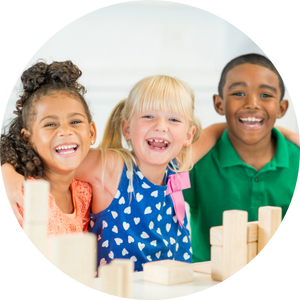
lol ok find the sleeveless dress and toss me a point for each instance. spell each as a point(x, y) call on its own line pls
point(140, 224)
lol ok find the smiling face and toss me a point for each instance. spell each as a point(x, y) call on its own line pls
point(157, 137)
point(251, 103)
point(61, 133)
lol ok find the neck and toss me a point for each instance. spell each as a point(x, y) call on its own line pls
point(60, 189)
point(154, 174)
point(256, 155)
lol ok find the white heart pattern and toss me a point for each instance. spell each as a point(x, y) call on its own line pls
point(104, 224)
point(159, 217)
point(126, 225)
point(177, 246)
point(154, 194)
point(153, 243)
point(169, 211)
point(141, 246)
point(103, 262)
point(168, 227)
point(185, 239)
point(169, 253)
point(117, 194)
point(139, 197)
point(148, 210)
point(149, 258)
point(105, 244)
point(111, 255)
point(186, 256)
point(144, 235)
point(128, 174)
point(158, 231)
point(140, 175)
point(158, 206)
point(158, 254)
point(133, 258)
point(175, 219)
point(166, 243)
point(127, 210)
point(145, 186)
point(136, 220)
point(130, 239)
point(124, 252)
point(118, 241)
point(122, 201)
point(114, 214)
point(115, 229)
point(172, 241)
point(151, 225)
point(178, 233)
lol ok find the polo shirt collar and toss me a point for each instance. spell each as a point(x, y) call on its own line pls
point(229, 157)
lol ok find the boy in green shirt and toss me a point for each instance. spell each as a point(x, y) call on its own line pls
point(252, 165)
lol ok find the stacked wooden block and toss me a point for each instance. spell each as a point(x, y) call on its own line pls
point(238, 241)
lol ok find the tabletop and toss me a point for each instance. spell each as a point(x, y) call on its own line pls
point(143, 290)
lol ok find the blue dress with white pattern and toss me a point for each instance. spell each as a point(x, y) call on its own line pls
point(140, 224)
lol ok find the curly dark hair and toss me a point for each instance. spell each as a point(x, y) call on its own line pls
point(38, 81)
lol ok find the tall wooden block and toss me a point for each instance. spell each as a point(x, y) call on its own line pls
point(252, 232)
point(168, 272)
point(216, 254)
point(116, 278)
point(252, 250)
point(234, 242)
point(75, 255)
point(269, 219)
point(35, 213)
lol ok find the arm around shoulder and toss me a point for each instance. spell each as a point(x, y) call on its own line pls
point(289, 135)
point(207, 140)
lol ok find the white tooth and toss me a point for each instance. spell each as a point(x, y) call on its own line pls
point(166, 142)
point(253, 119)
point(163, 147)
point(156, 140)
point(160, 141)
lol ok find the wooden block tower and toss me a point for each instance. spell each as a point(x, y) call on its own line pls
point(237, 242)
point(35, 213)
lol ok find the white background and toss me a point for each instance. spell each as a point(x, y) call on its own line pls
point(118, 45)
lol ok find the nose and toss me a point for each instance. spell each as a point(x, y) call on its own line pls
point(252, 102)
point(161, 125)
point(65, 130)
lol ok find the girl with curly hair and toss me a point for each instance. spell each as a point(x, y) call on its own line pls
point(49, 138)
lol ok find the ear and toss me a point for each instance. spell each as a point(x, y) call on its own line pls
point(93, 132)
point(25, 134)
point(283, 106)
point(189, 136)
point(125, 129)
point(219, 105)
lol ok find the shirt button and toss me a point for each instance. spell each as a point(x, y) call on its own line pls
point(256, 179)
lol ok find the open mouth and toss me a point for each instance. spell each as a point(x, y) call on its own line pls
point(158, 144)
point(66, 149)
point(252, 122)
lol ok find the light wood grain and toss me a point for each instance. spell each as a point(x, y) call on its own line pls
point(202, 267)
point(252, 251)
point(216, 253)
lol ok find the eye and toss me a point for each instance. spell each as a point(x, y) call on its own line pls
point(174, 120)
point(76, 122)
point(266, 95)
point(50, 125)
point(147, 117)
point(240, 94)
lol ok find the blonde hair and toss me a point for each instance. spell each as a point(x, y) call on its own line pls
point(159, 93)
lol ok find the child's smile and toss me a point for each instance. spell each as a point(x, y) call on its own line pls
point(251, 103)
point(61, 133)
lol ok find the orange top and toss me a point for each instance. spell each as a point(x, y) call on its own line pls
point(59, 222)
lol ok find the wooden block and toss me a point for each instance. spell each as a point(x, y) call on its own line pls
point(216, 254)
point(35, 213)
point(252, 250)
point(269, 219)
point(168, 272)
point(234, 242)
point(75, 255)
point(216, 234)
point(202, 267)
point(116, 278)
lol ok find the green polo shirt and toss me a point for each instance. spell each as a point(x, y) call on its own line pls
point(222, 181)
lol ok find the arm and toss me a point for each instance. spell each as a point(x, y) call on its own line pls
point(207, 140)
point(13, 183)
point(289, 135)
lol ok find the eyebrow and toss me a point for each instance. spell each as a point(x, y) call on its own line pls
point(55, 117)
point(266, 86)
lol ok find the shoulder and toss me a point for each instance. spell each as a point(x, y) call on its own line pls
point(82, 188)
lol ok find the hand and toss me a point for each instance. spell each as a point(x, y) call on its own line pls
point(13, 183)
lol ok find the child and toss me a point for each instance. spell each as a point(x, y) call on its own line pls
point(49, 138)
point(252, 165)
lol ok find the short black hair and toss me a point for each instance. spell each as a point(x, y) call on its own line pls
point(251, 58)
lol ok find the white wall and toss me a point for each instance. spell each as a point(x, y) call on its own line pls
point(118, 45)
